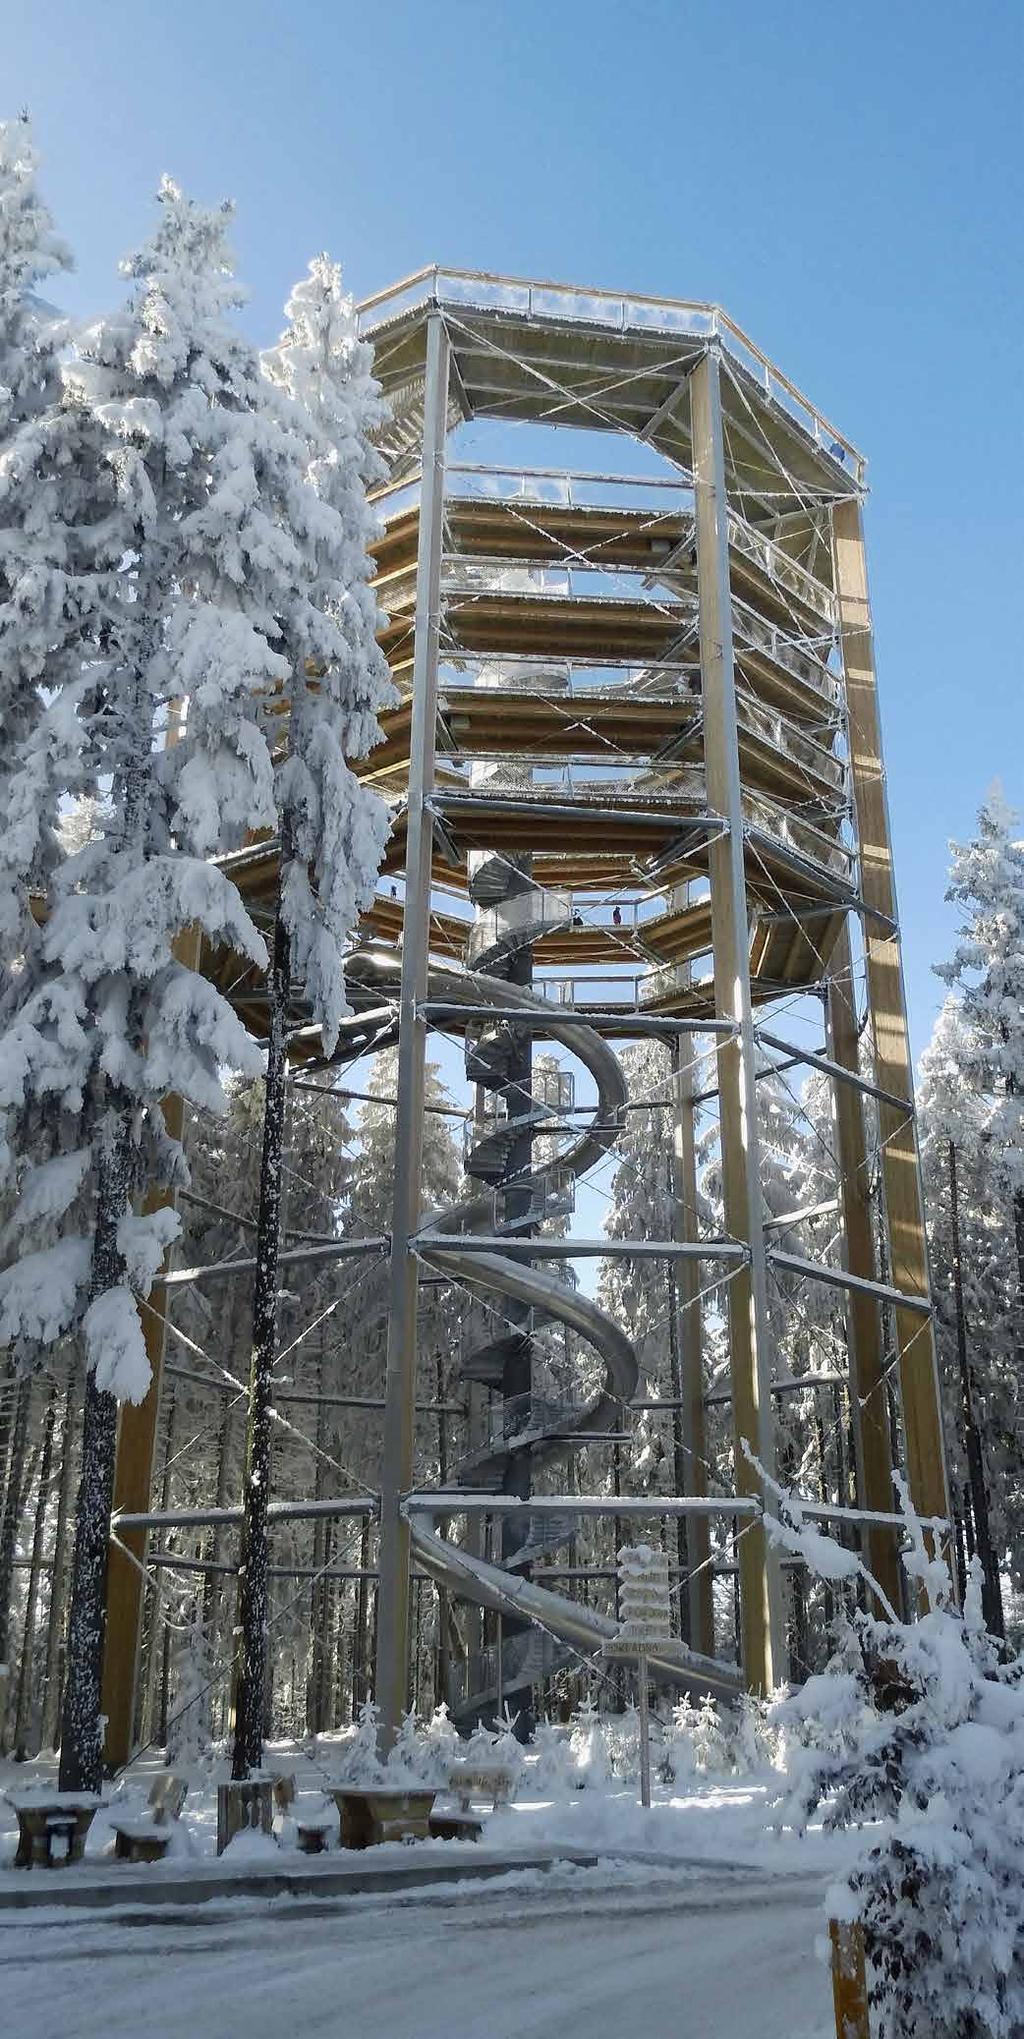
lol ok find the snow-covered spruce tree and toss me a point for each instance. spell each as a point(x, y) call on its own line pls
point(48, 595)
point(987, 969)
point(37, 626)
point(976, 1102)
point(331, 829)
point(206, 489)
point(917, 1732)
point(974, 1286)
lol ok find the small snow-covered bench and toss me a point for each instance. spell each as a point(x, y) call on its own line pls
point(312, 1829)
point(51, 1830)
point(145, 1837)
point(467, 1781)
point(383, 1812)
point(446, 1824)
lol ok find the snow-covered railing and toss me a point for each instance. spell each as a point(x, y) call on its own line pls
point(622, 312)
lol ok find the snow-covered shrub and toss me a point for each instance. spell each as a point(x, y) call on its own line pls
point(359, 1762)
point(755, 1735)
point(622, 1739)
point(407, 1750)
point(918, 1726)
point(440, 1745)
point(711, 1752)
point(479, 1747)
point(552, 1769)
point(188, 1722)
point(507, 1749)
point(589, 1744)
point(678, 1763)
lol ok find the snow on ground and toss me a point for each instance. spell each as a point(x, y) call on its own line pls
point(594, 1953)
point(724, 1820)
point(697, 1917)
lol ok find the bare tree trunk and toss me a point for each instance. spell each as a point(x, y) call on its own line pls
point(991, 1593)
point(1018, 1234)
point(251, 1650)
point(213, 1590)
point(12, 1516)
point(9, 1391)
point(28, 1636)
point(58, 1567)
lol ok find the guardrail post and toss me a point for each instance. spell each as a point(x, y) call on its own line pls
point(849, 1980)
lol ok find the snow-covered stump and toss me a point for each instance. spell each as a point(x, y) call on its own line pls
point(849, 1980)
point(244, 1806)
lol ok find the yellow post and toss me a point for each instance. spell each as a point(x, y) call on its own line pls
point(904, 1206)
point(849, 1981)
point(133, 1475)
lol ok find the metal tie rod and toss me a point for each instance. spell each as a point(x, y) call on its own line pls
point(835, 1070)
point(459, 1503)
point(472, 1503)
point(221, 1270)
point(217, 1518)
point(838, 1278)
point(571, 1249)
point(565, 1015)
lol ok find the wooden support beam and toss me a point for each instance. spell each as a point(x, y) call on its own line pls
point(760, 1609)
point(926, 1467)
point(133, 1475)
point(869, 1400)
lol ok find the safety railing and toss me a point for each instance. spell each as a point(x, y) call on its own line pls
point(483, 290)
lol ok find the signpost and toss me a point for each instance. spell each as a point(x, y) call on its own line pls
point(645, 1625)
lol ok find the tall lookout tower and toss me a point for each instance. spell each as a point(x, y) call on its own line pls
point(639, 822)
point(638, 792)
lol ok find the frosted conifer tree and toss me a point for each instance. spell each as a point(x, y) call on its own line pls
point(987, 969)
point(213, 515)
point(47, 594)
point(331, 829)
point(915, 1732)
point(973, 1120)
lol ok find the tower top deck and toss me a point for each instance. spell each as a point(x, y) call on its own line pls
point(601, 360)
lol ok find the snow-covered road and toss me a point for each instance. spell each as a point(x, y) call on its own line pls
point(602, 1954)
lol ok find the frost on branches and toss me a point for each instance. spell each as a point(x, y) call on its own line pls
point(113, 1014)
point(987, 969)
point(917, 1726)
point(333, 828)
point(45, 550)
point(972, 1100)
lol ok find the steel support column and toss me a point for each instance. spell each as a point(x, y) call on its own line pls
point(760, 1602)
point(392, 1654)
point(901, 1172)
point(688, 1367)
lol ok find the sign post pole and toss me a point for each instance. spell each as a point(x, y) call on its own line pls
point(645, 1624)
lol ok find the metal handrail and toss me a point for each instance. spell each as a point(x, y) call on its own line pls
point(693, 315)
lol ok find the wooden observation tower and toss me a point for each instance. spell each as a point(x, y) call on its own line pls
point(637, 790)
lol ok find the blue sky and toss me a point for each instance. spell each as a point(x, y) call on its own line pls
point(847, 181)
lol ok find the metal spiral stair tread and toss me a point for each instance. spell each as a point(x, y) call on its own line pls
point(469, 1577)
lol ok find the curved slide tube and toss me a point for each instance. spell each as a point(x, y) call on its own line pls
point(467, 1576)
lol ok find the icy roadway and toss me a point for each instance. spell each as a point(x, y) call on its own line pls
point(601, 1953)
